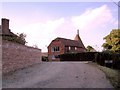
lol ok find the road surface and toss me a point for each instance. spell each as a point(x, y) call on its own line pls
point(58, 75)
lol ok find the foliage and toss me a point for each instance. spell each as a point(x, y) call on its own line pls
point(112, 75)
point(112, 41)
point(44, 58)
point(90, 49)
point(101, 57)
point(19, 38)
point(85, 56)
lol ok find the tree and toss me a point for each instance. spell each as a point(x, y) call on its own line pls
point(112, 41)
point(21, 38)
point(90, 48)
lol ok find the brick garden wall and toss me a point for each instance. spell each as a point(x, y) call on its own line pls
point(16, 56)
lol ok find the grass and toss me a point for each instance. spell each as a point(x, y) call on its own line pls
point(113, 75)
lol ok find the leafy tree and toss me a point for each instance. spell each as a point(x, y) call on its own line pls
point(112, 41)
point(90, 48)
point(21, 38)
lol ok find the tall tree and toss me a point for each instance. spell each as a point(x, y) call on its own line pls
point(112, 41)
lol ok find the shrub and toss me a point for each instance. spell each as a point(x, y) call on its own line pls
point(44, 58)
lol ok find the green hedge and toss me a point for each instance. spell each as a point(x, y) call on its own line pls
point(98, 57)
point(86, 56)
point(101, 57)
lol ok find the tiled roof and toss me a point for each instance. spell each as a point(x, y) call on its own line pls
point(69, 42)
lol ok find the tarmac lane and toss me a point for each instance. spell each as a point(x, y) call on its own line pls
point(58, 75)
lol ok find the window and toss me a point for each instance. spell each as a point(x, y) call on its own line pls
point(75, 48)
point(69, 48)
point(55, 49)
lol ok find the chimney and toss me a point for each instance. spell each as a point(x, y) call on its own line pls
point(5, 26)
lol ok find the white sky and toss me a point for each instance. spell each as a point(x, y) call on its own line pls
point(43, 22)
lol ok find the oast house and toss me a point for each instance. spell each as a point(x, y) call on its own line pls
point(62, 45)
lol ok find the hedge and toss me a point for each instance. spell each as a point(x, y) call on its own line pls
point(108, 59)
point(112, 58)
point(86, 56)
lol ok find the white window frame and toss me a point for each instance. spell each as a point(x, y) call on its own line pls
point(75, 48)
point(55, 49)
point(69, 48)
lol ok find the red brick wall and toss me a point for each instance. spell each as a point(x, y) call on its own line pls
point(63, 49)
point(16, 56)
point(54, 44)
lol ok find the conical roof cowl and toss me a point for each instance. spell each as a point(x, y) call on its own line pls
point(77, 38)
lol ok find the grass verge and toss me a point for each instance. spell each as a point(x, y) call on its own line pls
point(113, 75)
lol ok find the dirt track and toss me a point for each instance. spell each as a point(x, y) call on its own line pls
point(58, 75)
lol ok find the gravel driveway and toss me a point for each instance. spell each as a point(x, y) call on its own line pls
point(58, 75)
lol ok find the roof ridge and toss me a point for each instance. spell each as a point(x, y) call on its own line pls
point(64, 38)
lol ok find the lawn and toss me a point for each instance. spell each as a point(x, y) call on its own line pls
point(112, 74)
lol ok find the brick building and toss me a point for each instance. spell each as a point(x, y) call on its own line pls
point(61, 46)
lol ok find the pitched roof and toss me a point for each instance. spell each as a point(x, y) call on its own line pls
point(77, 38)
point(69, 42)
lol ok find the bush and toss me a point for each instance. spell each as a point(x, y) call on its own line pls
point(44, 58)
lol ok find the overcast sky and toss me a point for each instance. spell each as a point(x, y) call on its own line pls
point(43, 22)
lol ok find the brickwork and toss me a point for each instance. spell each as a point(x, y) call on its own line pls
point(5, 26)
point(54, 44)
point(65, 46)
point(16, 56)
